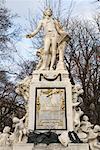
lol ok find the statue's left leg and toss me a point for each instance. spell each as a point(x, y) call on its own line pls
point(54, 51)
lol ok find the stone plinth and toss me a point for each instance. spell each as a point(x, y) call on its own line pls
point(47, 147)
point(56, 82)
point(50, 147)
point(23, 147)
point(78, 146)
point(6, 148)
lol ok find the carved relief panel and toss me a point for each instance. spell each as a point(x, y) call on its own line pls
point(50, 109)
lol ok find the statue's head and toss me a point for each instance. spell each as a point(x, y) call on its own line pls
point(96, 128)
point(48, 12)
point(16, 120)
point(78, 86)
point(6, 129)
point(85, 118)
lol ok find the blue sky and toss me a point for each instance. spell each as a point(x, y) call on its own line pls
point(81, 8)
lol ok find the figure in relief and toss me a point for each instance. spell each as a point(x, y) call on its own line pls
point(52, 30)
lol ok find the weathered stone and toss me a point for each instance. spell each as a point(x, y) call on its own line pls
point(23, 147)
point(60, 117)
point(6, 148)
point(78, 146)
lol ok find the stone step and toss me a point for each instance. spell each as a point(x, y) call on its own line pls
point(46, 147)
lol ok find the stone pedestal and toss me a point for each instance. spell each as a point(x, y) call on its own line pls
point(78, 146)
point(23, 147)
point(6, 148)
point(45, 147)
point(50, 147)
point(50, 88)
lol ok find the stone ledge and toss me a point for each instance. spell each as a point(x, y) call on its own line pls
point(78, 146)
point(23, 147)
point(6, 148)
point(71, 146)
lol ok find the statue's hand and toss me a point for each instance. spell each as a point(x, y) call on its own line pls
point(29, 36)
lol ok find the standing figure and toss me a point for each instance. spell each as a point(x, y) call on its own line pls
point(51, 31)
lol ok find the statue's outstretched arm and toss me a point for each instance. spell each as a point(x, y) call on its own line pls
point(35, 31)
point(24, 117)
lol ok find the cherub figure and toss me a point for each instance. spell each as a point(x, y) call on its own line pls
point(23, 87)
point(4, 137)
point(85, 124)
point(76, 91)
point(92, 138)
point(20, 129)
point(77, 112)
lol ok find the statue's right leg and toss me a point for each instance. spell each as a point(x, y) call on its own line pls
point(46, 53)
point(20, 136)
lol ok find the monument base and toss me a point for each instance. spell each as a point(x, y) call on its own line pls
point(50, 102)
point(71, 146)
point(6, 148)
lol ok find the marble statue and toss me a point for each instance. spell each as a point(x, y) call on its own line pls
point(4, 137)
point(85, 124)
point(92, 138)
point(20, 129)
point(76, 91)
point(40, 54)
point(77, 113)
point(54, 36)
point(69, 136)
point(82, 135)
point(23, 87)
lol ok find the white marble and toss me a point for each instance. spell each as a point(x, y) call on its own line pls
point(55, 40)
point(6, 148)
point(23, 147)
point(92, 137)
point(19, 130)
point(65, 82)
point(47, 147)
point(78, 146)
point(64, 139)
point(5, 136)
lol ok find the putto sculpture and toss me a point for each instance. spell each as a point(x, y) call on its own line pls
point(20, 129)
point(5, 136)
